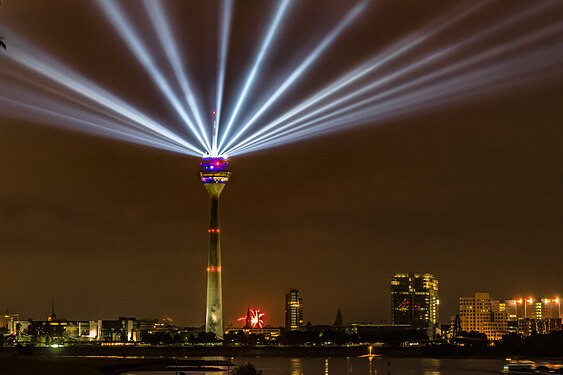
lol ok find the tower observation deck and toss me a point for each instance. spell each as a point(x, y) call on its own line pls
point(214, 175)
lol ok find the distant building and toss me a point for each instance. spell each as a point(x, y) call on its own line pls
point(293, 310)
point(270, 334)
point(8, 322)
point(414, 300)
point(52, 317)
point(482, 314)
point(395, 334)
point(528, 326)
point(532, 308)
point(125, 329)
point(530, 315)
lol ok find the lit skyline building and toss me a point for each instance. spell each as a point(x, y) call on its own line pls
point(482, 314)
point(414, 300)
point(214, 175)
point(534, 308)
point(293, 310)
point(527, 315)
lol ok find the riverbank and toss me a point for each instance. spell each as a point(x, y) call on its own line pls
point(193, 351)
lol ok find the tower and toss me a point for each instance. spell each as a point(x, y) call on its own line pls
point(293, 310)
point(214, 175)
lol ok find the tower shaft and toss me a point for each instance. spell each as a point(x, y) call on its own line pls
point(214, 176)
point(214, 310)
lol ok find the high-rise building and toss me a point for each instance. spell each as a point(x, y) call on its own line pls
point(482, 314)
point(214, 175)
point(532, 308)
point(527, 315)
point(414, 300)
point(293, 310)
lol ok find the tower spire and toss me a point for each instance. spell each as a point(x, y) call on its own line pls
point(338, 322)
point(214, 151)
point(52, 316)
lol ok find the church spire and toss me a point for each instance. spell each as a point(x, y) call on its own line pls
point(52, 316)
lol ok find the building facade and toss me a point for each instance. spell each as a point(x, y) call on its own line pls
point(293, 310)
point(482, 314)
point(414, 300)
point(530, 315)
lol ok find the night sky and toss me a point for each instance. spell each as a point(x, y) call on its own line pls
point(471, 191)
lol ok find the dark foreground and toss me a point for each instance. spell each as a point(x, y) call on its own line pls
point(58, 365)
point(89, 360)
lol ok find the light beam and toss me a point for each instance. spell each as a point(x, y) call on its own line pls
point(161, 25)
point(274, 128)
point(279, 16)
point(226, 15)
point(55, 72)
point(127, 32)
point(67, 116)
point(302, 68)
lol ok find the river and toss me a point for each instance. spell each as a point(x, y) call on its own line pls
point(375, 366)
point(361, 366)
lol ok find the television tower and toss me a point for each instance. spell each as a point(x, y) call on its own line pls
point(214, 175)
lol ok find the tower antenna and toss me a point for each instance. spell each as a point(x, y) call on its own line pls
point(214, 151)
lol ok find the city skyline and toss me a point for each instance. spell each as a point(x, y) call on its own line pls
point(468, 192)
point(293, 308)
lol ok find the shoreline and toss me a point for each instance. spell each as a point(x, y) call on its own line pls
point(145, 352)
point(230, 351)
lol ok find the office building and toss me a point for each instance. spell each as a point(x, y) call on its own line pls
point(293, 310)
point(482, 314)
point(530, 315)
point(414, 300)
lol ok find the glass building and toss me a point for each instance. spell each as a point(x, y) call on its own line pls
point(414, 300)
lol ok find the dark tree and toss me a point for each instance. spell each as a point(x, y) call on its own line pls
point(204, 338)
point(247, 369)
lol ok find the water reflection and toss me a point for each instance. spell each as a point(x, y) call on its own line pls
point(372, 370)
point(432, 363)
point(375, 366)
point(296, 366)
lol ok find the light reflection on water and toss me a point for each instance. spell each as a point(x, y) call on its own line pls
point(364, 366)
point(296, 366)
point(374, 366)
